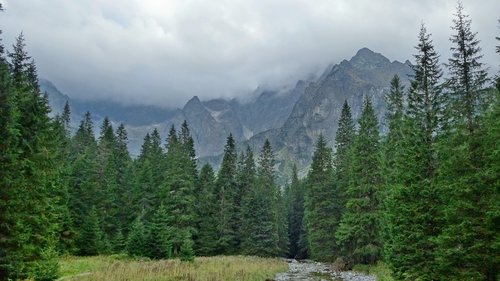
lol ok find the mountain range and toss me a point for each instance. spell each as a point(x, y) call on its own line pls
point(291, 117)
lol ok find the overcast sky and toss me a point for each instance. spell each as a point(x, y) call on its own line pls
point(164, 52)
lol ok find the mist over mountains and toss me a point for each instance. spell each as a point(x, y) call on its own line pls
point(291, 117)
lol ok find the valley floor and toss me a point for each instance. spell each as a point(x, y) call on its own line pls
point(220, 268)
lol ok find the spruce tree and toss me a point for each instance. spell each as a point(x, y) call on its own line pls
point(259, 212)
point(296, 216)
point(146, 192)
point(343, 141)
point(136, 243)
point(467, 74)
point(177, 192)
point(358, 233)
point(413, 217)
point(393, 157)
point(28, 177)
point(320, 204)
point(89, 240)
point(465, 246)
point(226, 187)
point(106, 177)
point(157, 243)
point(186, 250)
point(123, 193)
point(425, 99)
point(392, 143)
point(83, 171)
point(206, 242)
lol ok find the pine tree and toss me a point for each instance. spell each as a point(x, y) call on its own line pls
point(82, 174)
point(119, 242)
point(425, 100)
point(157, 244)
point(358, 233)
point(123, 193)
point(392, 144)
point(177, 193)
point(226, 187)
point(320, 204)
point(468, 74)
point(146, 191)
point(296, 216)
point(246, 177)
point(60, 190)
point(27, 175)
point(136, 238)
point(343, 142)
point(261, 220)
point(206, 242)
point(465, 249)
point(89, 241)
point(106, 177)
point(413, 217)
point(186, 250)
point(392, 147)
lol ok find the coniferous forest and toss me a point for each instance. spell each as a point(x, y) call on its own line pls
point(422, 195)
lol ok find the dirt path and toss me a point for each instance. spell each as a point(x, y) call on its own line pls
point(316, 271)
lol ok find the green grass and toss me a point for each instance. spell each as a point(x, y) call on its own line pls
point(220, 268)
point(72, 265)
point(380, 270)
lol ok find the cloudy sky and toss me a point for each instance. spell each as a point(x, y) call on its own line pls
point(165, 51)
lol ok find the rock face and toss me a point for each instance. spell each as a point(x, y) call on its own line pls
point(210, 121)
point(318, 109)
point(291, 117)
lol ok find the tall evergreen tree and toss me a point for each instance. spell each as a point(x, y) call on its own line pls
point(467, 73)
point(226, 187)
point(466, 250)
point(157, 242)
point(261, 220)
point(393, 141)
point(123, 193)
point(136, 242)
point(358, 233)
point(28, 178)
point(106, 177)
point(343, 141)
point(296, 217)
point(83, 171)
point(178, 193)
point(413, 216)
point(206, 242)
point(150, 174)
point(392, 147)
point(320, 204)
point(425, 99)
point(89, 240)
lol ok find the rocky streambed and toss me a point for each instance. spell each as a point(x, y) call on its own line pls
point(306, 270)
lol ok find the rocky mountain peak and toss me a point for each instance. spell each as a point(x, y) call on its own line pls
point(194, 104)
point(367, 59)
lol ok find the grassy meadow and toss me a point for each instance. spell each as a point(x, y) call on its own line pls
point(121, 268)
point(380, 270)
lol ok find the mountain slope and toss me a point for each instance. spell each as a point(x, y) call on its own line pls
point(318, 108)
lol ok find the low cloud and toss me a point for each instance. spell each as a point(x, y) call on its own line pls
point(164, 52)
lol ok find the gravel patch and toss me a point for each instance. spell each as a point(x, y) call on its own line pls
point(306, 270)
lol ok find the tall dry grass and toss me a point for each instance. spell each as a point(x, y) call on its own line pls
point(220, 268)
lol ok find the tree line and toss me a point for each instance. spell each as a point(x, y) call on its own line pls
point(424, 196)
point(65, 193)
